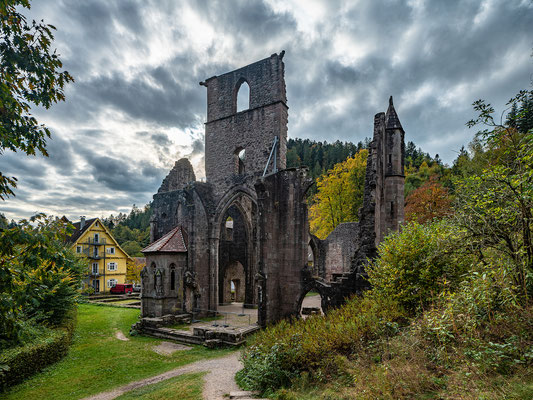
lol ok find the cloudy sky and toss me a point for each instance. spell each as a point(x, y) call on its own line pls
point(136, 105)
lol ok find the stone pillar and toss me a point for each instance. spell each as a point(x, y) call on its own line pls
point(283, 234)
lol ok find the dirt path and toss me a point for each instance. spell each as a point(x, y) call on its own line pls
point(218, 382)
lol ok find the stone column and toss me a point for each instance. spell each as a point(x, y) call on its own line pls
point(283, 234)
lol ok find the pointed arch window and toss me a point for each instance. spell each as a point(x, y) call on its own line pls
point(243, 96)
point(172, 277)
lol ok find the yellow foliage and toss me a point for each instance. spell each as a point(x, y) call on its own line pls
point(133, 270)
point(339, 195)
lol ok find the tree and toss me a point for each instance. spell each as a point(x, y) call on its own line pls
point(133, 270)
point(39, 275)
point(29, 74)
point(496, 206)
point(429, 201)
point(339, 195)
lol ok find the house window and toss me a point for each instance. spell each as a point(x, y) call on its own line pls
point(96, 224)
point(111, 283)
point(78, 249)
point(95, 268)
point(96, 285)
point(112, 266)
point(96, 238)
point(111, 250)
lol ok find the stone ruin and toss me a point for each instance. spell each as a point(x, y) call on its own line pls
point(247, 226)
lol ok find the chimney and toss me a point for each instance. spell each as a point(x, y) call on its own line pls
point(82, 222)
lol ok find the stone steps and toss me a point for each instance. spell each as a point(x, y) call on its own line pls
point(173, 334)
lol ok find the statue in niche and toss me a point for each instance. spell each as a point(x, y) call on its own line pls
point(159, 282)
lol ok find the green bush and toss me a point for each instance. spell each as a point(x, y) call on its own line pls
point(39, 276)
point(281, 352)
point(419, 262)
point(20, 362)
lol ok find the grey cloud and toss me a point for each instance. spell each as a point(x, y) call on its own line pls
point(437, 47)
point(161, 139)
point(172, 105)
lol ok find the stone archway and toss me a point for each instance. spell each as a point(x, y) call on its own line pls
point(235, 228)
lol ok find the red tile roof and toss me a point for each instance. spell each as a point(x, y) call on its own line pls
point(174, 241)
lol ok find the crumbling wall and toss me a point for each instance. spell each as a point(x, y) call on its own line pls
point(227, 131)
point(283, 242)
point(179, 176)
point(337, 250)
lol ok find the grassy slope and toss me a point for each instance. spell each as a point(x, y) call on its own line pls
point(97, 361)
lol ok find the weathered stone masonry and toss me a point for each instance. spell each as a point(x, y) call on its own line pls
point(252, 229)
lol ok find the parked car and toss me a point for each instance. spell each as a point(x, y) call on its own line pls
point(122, 288)
point(137, 287)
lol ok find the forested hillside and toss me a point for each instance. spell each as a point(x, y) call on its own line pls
point(132, 231)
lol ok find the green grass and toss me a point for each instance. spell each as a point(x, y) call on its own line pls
point(183, 387)
point(98, 362)
point(311, 293)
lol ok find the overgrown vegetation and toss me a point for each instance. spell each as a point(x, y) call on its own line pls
point(39, 278)
point(449, 314)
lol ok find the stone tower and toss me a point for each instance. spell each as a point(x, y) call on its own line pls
point(228, 132)
point(389, 158)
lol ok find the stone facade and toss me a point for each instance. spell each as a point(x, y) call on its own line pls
point(335, 253)
point(228, 132)
point(247, 225)
point(283, 242)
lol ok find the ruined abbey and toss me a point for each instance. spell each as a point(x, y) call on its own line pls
point(243, 235)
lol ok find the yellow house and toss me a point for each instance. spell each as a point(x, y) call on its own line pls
point(106, 261)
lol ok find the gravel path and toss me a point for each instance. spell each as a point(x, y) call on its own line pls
point(218, 382)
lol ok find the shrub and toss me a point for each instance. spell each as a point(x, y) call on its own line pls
point(20, 362)
point(419, 262)
point(39, 276)
point(281, 352)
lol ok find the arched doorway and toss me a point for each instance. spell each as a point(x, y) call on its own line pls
point(232, 288)
point(235, 261)
point(311, 304)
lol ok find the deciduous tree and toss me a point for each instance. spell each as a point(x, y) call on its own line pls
point(30, 74)
point(339, 195)
point(429, 201)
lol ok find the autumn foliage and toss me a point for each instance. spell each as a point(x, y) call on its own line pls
point(339, 195)
point(429, 201)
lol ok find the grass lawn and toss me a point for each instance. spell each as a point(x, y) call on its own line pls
point(184, 387)
point(97, 361)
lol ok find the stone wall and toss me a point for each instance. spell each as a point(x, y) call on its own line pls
point(283, 242)
point(179, 176)
point(158, 297)
point(228, 132)
point(337, 250)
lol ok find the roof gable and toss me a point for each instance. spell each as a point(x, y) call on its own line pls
point(174, 241)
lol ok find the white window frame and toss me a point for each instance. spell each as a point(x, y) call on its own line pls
point(96, 223)
point(95, 264)
point(111, 283)
point(112, 266)
point(78, 249)
point(110, 250)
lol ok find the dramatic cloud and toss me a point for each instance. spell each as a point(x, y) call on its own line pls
point(136, 106)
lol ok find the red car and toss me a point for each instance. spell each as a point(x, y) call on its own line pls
point(122, 288)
